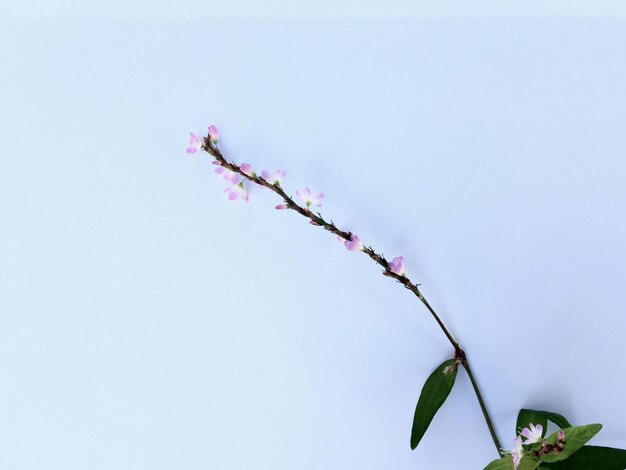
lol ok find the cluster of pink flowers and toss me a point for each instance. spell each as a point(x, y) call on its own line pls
point(195, 142)
point(533, 434)
point(237, 190)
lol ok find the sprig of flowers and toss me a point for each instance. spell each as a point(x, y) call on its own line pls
point(394, 269)
point(534, 450)
point(535, 447)
point(238, 174)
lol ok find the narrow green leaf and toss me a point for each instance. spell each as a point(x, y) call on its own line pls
point(434, 393)
point(506, 463)
point(575, 438)
point(526, 416)
point(591, 458)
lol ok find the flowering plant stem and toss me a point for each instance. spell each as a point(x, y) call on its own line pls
point(209, 145)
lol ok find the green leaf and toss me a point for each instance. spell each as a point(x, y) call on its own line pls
point(528, 463)
point(434, 393)
point(506, 463)
point(592, 458)
point(525, 417)
point(575, 438)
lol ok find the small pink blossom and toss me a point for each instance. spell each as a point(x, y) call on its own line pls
point(274, 177)
point(561, 436)
point(195, 143)
point(282, 207)
point(213, 134)
point(396, 266)
point(532, 433)
point(247, 170)
point(309, 198)
point(354, 244)
point(516, 453)
point(228, 175)
point(237, 191)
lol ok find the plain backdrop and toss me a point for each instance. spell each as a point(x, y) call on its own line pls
point(146, 322)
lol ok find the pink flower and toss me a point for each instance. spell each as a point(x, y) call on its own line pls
point(396, 266)
point(281, 207)
point(354, 244)
point(532, 433)
point(308, 198)
point(195, 143)
point(275, 177)
point(237, 191)
point(516, 453)
point(213, 134)
point(247, 170)
point(228, 175)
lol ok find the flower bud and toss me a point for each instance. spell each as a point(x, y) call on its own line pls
point(213, 134)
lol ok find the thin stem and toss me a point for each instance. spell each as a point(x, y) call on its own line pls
point(317, 219)
point(439, 322)
point(483, 408)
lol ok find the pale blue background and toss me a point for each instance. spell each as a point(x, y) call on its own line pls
point(148, 323)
